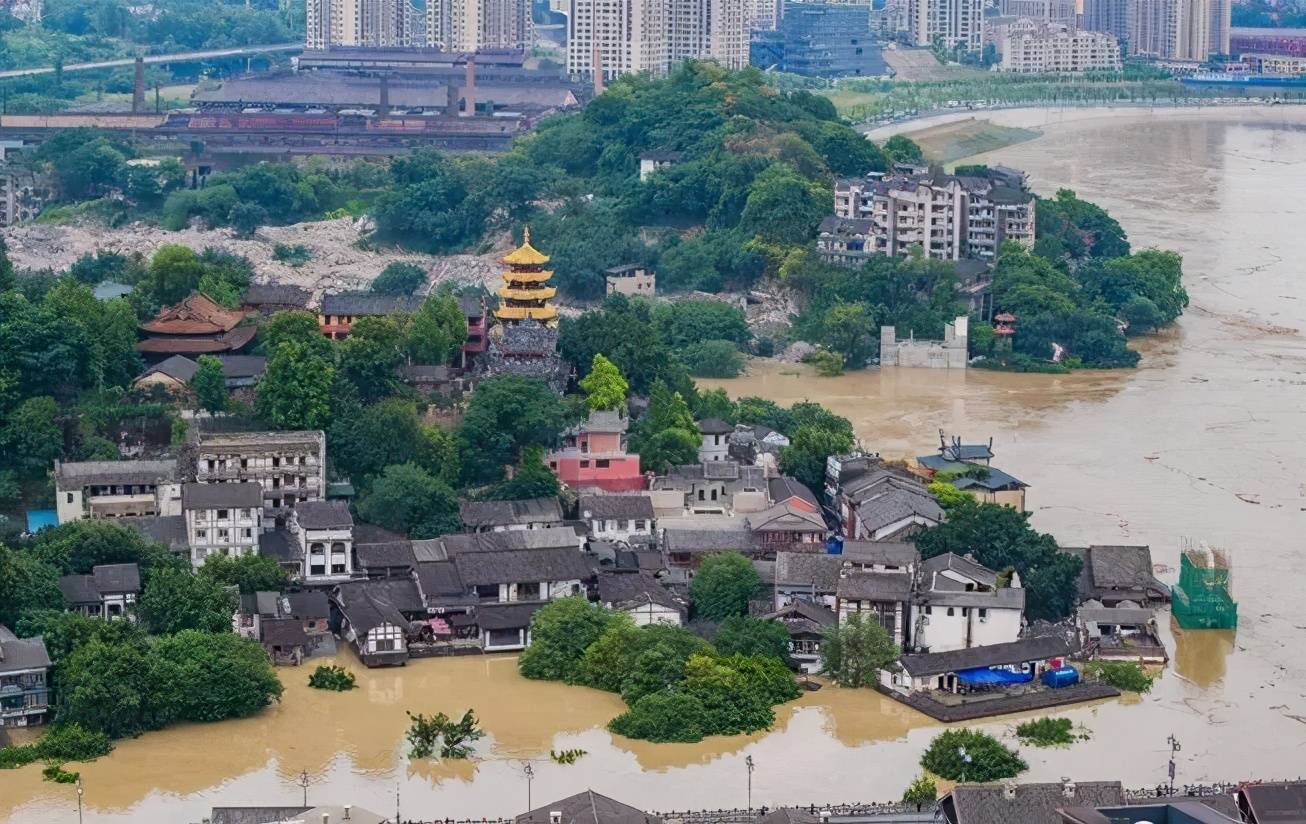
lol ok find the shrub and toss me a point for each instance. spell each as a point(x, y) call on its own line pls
point(63, 742)
point(296, 254)
point(713, 359)
point(662, 717)
point(828, 364)
point(1123, 675)
point(1048, 732)
point(985, 759)
point(399, 278)
point(452, 736)
point(337, 679)
point(921, 791)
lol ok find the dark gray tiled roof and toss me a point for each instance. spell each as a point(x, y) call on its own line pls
point(562, 537)
point(369, 604)
point(116, 578)
point(888, 553)
point(875, 586)
point(950, 561)
point(323, 515)
point(993, 655)
point(254, 815)
point(623, 589)
point(1003, 598)
point(280, 544)
point(1277, 801)
point(243, 366)
point(604, 420)
point(439, 581)
point(358, 304)
point(588, 807)
point(788, 815)
point(895, 504)
point(1121, 566)
point(808, 569)
point(17, 654)
point(506, 616)
point(1031, 804)
point(786, 517)
point(179, 367)
point(833, 225)
point(76, 475)
point(311, 603)
point(391, 554)
point(169, 530)
point(285, 632)
point(689, 539)
point(619, 507)
point(804, 616)
point(479, 514)
point(78, 589)
point(522, 566)
point(714, 426)
point(246, 495)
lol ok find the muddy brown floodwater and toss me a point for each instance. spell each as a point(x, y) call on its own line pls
point(1204, 443)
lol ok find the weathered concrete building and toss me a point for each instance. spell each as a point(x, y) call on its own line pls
point(116, 489)
point(290, 466)
point(949, 353)
point(222, 519)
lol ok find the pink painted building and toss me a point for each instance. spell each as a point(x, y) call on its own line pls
point(594, 456)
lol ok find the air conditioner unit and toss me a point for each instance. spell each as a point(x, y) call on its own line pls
point(984, 620)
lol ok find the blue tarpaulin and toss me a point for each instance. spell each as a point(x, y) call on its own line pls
point(983, 676)
point(38, 519)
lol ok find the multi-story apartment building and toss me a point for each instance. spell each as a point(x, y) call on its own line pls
point(377, 23)
point(222, 519)
point(116, 489)
point(821, 40)
point(1036, 48)
point(24, 680)
point(949, 23)
point(628, 36)
point(1107, 16)
point(1274, 64)
point(1042, 11)
point(946, 216)
point(1191, 30)
point(290, 466)
point(468, 25)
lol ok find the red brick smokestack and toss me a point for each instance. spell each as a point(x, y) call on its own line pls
point(469, 89)
point(598, 71)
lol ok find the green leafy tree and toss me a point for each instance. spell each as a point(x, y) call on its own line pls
point(399, 278)
point(437, 330)
point(295, 326)
point(850, 330)
point(723, 585)
point(985, 758)
point(211, 676)
point(175, 271)
point(745, 635)
point(732, 702)
point(408, 499)
point(561, 631)
point(854, 652)
point(531, 480)
point(900, 149)
point(366, 441)
point(370, 356)
point(32, 435)
point(296, 389)
point(79, 546)
point(505, 415)
point(921, 791)
point(713, 359)
point(784, 208)
point(26, 585)
point(209, 384)
point(247, 218)
point(109, 688)
point(663, 717)
point(687, 322)
point(333, 678)
point(1000, 537)
point(604, 386)
point(250, 573)
point(175, 599)
point(808, 448)
point(6, 268)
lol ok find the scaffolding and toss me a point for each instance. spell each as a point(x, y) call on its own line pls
point(1203, 597)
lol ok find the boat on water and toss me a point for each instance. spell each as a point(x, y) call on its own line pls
point(1232, 79)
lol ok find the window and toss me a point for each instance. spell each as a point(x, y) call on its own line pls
point(584, 464)
point(385, 645)
point(247, 533)
point(70, 497)
point(951, 611)
point(317, 569)
point(702, 496)
point(983, 614)
point(222, 534)
point(244, 463)
point(929, 610)
point(640, 525)
point(338, 569)
point(965, 612)
point(301, 460)
point(602, 463)
point(276, 462)
point(201, 534)
point(222, 514)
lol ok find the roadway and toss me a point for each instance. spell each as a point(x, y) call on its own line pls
point(151, 59)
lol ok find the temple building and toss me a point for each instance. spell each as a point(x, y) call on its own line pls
point(196, 326)
point(526, 292)
point(525, 341)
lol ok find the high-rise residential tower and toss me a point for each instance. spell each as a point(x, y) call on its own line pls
point(468, 25)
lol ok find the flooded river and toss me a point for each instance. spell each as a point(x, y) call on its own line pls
point(1204, 443)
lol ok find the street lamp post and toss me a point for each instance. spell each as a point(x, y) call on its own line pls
point(1174, 748)
point(303, 783)
point(965, 760)
point(530, 776)
point(748, 762)
point(80, 791)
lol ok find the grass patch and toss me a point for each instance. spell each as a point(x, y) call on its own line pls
point(1123, 675)
point(953, 141)
point(1049, 732)
point(102, 210)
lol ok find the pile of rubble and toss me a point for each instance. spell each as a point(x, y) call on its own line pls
point(340, 258)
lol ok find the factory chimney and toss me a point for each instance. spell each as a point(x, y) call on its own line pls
point(597, 64)
point(469, 89)
point(138, 87)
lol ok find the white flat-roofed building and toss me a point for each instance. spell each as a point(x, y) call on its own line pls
point(325, 532)
point(1033, 47)
point(222, 519)
point(115, 489)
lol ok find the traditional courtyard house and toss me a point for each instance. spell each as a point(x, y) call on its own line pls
point(375, 618)
point(339, 311)
point(267, 298)
point(1027, 803)
point(388, 559)
point(324, 531)
point(587, 808)
point(786, 490)
point(806, 623)
point(283, 545)
point(969, 468)
point(886, 505)
point(594, 457)
point(500, 516)
point(1016, 662)
point(685, 546)
point(557, 537)
point(241, 373)
point(1112, 574)
point(429, 379)
point(169, 530)
point(290, 466)
point(716, 440)
point(196, 326)
point(108, 592)
point(655, 160)
point(1266, 802)
point(222, 519)
point(642, 597)
point(959, 604)
point(884, 597)
point(789, 526)
point(116, 489)
point(24, 680)
point(290, 626)
point(721, 488)
point(171, 374)
point(627, 519)
point(1125, 632)
point(880, 556)
point(806, 576)
point(530, 575)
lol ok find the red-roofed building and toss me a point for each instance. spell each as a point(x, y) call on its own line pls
point(195, 326)
point(594, 456)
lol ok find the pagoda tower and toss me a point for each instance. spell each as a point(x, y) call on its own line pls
point(526, 292)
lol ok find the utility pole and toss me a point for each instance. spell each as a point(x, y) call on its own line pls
point(530, 776)
point(396, 803)
point(79, 799)
point(303, 783)
point(748, 762)
point(965, 762)
point(1174, 748)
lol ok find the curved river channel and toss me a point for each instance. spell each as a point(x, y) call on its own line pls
point(1206, 442)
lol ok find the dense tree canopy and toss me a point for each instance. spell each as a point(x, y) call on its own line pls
point(505, 415)
point(723, 585)
point(409, 499)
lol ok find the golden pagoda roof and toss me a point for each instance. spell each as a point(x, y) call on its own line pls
point(517, 276)
point(526, 254)
point(539, 293)
point(540, 313)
